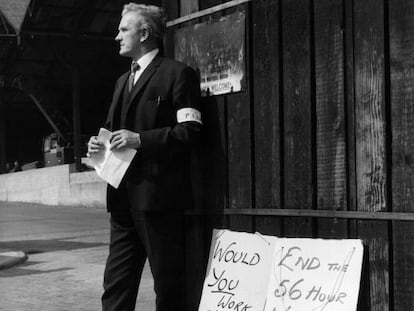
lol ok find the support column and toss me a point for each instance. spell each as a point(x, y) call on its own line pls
point(76, 117)
point(2, 136)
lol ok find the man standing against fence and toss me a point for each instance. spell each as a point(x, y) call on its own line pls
point(155, 109)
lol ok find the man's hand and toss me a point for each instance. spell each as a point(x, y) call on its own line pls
point(94, 146)
point(125, 139)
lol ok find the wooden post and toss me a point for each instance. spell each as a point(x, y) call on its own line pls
point(402, 113)
point(240, 146)
point(350, 112)
point(172, 11)
point(76, 117)
point(370, 133)
point(297, 114)
point(330, 115)
point(267, 112)
point(2, 136)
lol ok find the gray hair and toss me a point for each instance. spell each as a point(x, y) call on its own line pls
point(151, 16)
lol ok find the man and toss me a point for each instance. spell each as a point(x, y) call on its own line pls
point(155, 109)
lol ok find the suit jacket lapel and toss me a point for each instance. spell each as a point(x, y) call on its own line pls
point(143, 79)
point(117, 93)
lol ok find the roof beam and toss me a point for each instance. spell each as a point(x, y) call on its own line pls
point(59, 35)
point(66, 8)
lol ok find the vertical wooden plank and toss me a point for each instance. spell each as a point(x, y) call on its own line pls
point(239, 140)
point(401, 24)
point(297, 113)
point(350, 112)
point(188, 7)
point(370, 104)
point(371, 143)
point(330, 114)
point(363, 299)
point(195, 247)
point(172, 11)
point(214, 153)
point(214, 112)
point(266, 74)
point(172, 8)
point(215, 177)
point(214, 167)
point(2, 135)
point(239, 153)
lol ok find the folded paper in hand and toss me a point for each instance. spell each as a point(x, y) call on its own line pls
point(111, 165)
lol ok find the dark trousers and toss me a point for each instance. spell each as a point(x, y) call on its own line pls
point(135, 236)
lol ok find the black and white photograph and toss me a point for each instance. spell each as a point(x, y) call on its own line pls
point(206, 155)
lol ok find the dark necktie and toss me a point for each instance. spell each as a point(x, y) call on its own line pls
point(134, 68)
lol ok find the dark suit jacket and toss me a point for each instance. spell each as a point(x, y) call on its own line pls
point(159, 176)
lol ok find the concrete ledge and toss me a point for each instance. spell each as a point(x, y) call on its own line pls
point(9, 259)
point(54, 186)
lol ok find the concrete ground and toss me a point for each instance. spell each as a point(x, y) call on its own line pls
point(66, 249)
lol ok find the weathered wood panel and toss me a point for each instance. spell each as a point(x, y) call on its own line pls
point(402, 111)
point(350, 112)
point(371, 144)
point(215, 169)
point(214, 151)
point(316, 120)
point(330, 114)
point(297, 113)
point(171, 8)
point(195, 239)
point(266, 107)
point(239, 144)
point(215, 147)
point(188, 7)
point(172, 11)
point(239, 162)
point(370, 105)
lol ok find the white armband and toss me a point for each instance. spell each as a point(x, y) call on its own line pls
point(188, 114)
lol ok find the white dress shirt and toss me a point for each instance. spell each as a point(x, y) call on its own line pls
point(143, 63)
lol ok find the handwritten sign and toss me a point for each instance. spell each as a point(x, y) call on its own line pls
point(315, 275)
point(237, 272)
point(253, 272)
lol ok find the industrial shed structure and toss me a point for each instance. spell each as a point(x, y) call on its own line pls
point(58, 66)
point(320, 144)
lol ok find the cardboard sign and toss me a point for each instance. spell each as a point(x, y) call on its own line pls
point(237, 272)
point(258, 272)
point(315, 275)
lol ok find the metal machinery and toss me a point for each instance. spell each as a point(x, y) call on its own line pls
point(56, 151)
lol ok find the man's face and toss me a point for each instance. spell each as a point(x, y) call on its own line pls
point(129, 36)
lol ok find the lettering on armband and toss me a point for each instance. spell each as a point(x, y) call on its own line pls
point(189, 114)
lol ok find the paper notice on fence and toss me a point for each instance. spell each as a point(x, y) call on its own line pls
point(238, 272)
point(315, 275)
point(111, 165)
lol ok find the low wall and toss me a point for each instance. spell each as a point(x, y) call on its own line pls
point(54, 185)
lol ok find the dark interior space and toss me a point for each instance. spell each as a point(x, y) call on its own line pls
point(51, 50)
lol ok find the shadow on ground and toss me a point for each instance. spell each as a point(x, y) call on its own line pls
point(23, 271)
point(44, 246)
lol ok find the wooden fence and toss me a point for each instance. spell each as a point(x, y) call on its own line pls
point(321, 144)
